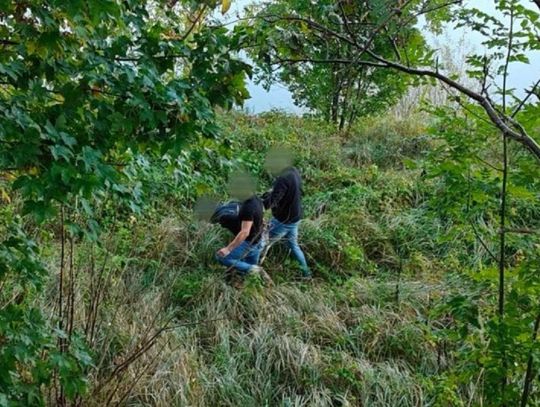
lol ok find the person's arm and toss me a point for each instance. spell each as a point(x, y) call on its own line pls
point(239, 238)
point(274, 197)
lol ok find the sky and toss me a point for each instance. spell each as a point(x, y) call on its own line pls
point(521, 76)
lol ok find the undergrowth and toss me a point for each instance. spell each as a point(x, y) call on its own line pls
point(165, 329)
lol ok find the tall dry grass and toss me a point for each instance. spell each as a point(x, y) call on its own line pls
point(295, 344)
point(167, 330)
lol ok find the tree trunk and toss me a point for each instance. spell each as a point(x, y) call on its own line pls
point(335, 98)
point(346, 103)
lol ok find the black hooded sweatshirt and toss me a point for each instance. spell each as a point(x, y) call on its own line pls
point(285, 199)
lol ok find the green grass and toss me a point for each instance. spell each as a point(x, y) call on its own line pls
point(292, 345)
point(357, 335)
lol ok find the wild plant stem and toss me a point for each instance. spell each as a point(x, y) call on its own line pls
point(71, 294)
point(398, 280)
point(529, 373)
point(502, 260)
point(502, 256)
point(60, 392)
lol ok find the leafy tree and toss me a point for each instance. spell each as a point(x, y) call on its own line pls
point(84, 87)
point(313, 63)
point(468, 197)
point(412, 58)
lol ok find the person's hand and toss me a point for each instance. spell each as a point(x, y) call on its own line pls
point(223, 252)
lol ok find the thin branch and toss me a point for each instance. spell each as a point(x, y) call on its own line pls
point(484, 245)
point(476, 233)
point(345, 20)
point(529, 373)
point(195, 22)
point(8, 42)
point(464, 107)
point(393, 44)
point(496, 117)
point(395, 12)
point(172, 327)
point(526, 98)
point(487, 163)
point(182, 38)
point(523, 231)
point(424, 11)
point(324, 61)
point(310, 23)
point(127, 59)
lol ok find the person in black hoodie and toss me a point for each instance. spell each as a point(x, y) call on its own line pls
point(285, 201)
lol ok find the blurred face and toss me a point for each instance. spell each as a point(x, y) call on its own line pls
point(277, 160)
point(242, 186)
point(204, 208)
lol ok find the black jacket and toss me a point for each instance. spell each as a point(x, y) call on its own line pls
point(285, 199)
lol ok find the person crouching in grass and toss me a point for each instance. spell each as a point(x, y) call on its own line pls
point(243, 252)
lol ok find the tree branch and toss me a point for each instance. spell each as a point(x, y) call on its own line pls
point(324, 61)
point(484, 245)
point(427, 10)
point(8, 42)
point(310, 23)
point(523, 231)
point(525, 99)
point(195, 22)
point(498, 120)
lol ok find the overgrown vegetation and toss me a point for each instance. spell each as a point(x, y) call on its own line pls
point(380, 325)
point(422, 231)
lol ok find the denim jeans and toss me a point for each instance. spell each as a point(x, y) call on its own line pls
point(245, 256)
point(289, 233)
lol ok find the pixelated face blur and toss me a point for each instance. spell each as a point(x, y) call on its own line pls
point(204, 208)
point(242, 186)
point(277, 160)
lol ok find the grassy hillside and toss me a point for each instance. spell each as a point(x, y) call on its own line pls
point(422, 203)
point(371, 329)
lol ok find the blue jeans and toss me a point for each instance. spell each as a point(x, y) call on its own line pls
point(288, 232)
point(244, 257)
